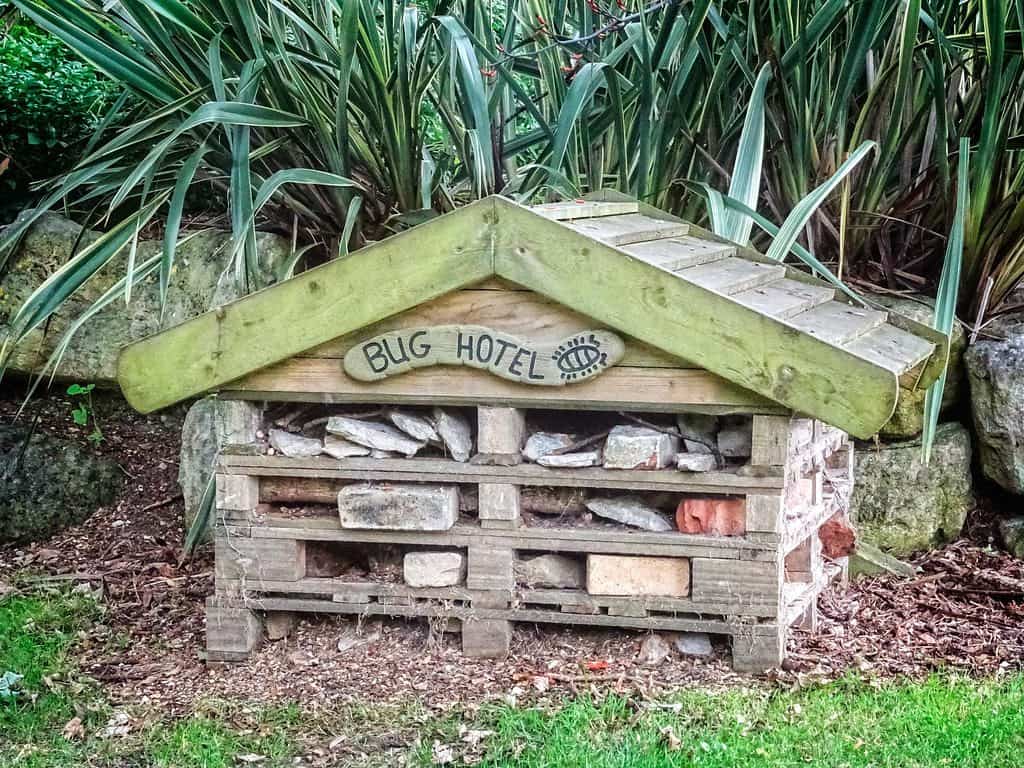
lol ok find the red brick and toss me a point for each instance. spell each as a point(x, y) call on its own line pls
point(717, 517)
point(838, 539)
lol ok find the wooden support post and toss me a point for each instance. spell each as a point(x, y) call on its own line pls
point(770, 442)
point(249, 561)
point(500, 435)
point(237, 493)
point(765, 514)
point(743, 584)
point(233, 630)
point(486, 638)
point(498, 505)
point(490, 568)
point(760, 649)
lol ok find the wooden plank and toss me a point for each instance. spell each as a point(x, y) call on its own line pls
point(784, 298)
point(647, 603)
point(339, 297)
point(448, 470)
point(339, 586)
point(770, 440)
point(490, 567)
point(803, 372)
point(520, 313)
point(676, 253)
point(581, 209)
point(619, 388)
point(237, 493)
point(837, 323)
point(747, 584)
point(249, 561)
point(627, 228)
point(679, 624)
point(233, 630)
point(732, 275)
point(891, 348)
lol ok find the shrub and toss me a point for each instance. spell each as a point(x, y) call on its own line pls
point(49, 102)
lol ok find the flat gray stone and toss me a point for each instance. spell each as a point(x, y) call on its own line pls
point(340, 448)
point(629, 447)
point(382, 437)
point(398, 507)
point(542, 443)
point(629, 510)
point(698, 429)
point(455, 433)
point(695, 462)
point(416, 425)
point(654, 650)
point(295, 446)
point(735, 438)
point(434, 569)
point(570, 460)
point(902, 506)
point(551, 571)
point(693, 644)
point(996, 371)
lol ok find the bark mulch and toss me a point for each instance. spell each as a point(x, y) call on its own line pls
point(964, 611)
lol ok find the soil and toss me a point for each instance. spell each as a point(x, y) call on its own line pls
point(963, 611)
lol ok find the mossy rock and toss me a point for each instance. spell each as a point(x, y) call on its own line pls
point(198, 282)
point(48, 484)
point(903, 506)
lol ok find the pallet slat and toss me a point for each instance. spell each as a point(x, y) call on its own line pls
point(676, 253)
point(627, 228)
point(784, 298)
point(838, 323)
point(732, 275)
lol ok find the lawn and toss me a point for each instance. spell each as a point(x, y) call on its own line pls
point(944, 720)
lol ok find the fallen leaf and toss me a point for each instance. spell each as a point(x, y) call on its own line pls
point(541, 683)
point(672, 741)
point(597, 666)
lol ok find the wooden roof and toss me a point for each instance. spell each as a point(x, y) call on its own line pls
point(759, 324)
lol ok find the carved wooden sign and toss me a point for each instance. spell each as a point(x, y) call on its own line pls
point(574, 358)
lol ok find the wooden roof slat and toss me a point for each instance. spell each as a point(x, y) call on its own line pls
point(627, 228)
point(784, 298)
point(732, 275)
point(891, 348)
point(838, 323)
point(675, 253)
point(583, 209)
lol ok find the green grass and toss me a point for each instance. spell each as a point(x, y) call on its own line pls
point(853, 723)
point(943, 721)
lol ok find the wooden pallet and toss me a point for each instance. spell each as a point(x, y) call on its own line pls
point(750, 588)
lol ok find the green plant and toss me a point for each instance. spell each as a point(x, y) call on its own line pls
point(83, 410)
point(51, 102)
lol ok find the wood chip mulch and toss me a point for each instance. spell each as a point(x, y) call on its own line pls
point(964, 611)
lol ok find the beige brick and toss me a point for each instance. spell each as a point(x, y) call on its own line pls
point(500, 431)
point(626, 575)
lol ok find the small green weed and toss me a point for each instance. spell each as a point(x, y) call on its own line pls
point(83, 410)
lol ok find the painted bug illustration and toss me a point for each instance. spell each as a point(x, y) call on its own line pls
point(579, 357)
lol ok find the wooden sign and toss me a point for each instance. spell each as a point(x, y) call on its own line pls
point(575, 358)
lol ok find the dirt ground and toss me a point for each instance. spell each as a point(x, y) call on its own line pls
point(963, 611)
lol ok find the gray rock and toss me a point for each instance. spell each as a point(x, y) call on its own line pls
point(869, 560)
point(210, 425)
point(735, 438)
point(340, 448)
point(455, 433)
point(295, 446)
point(693, 644)
point(416, 425)
point(629, 447)
point(1012, 531)
point(569, 460)
point(902, 506)
point(908, 419)
point(698, 430)
point(551, 571)
point(695, 462)
point(278, 624)
point(654, 650)
point(996, 371)
point(49, 484)
point(542, 443)
point(377, 453)
point(199, 283)
point(398, 507)
point(382, 437)
point(434, 569)
point(629, 510)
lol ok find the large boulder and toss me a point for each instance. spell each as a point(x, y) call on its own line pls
point(903, 506)
point(198, 282)
point(995, 366)
point(47, 484)
point(908, 419)
point(210, 425)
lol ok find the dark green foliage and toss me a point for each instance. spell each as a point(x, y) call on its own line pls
point(49, 102)
point(47, 484)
